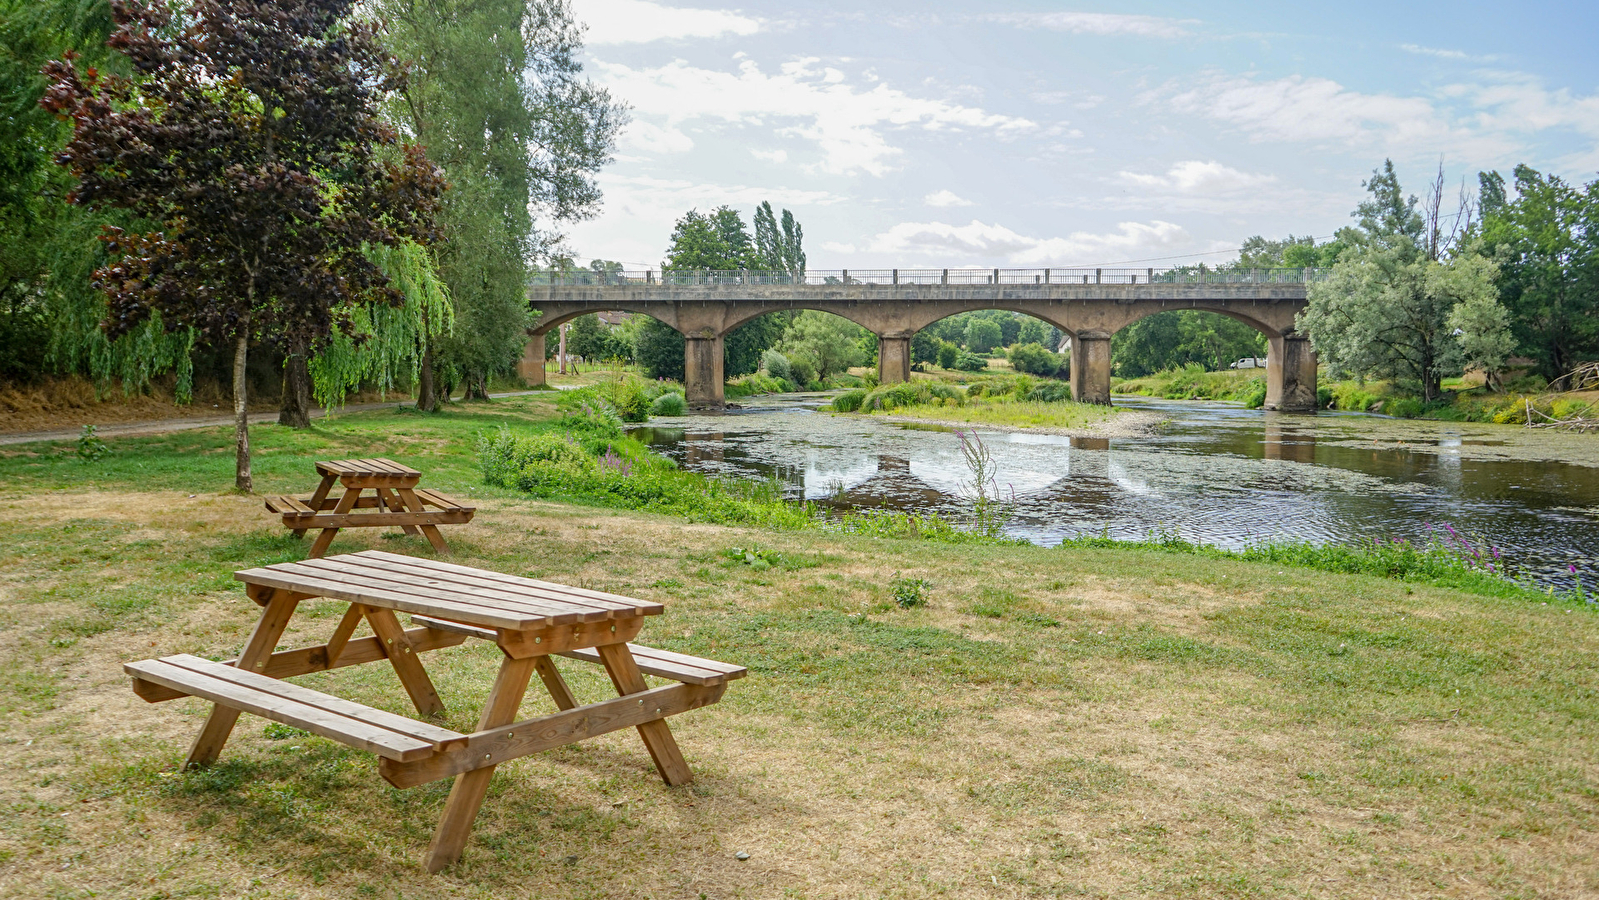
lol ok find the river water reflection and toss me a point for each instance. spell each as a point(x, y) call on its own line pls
point(1215, 473)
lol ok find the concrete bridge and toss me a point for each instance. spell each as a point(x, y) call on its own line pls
point(1087, 305)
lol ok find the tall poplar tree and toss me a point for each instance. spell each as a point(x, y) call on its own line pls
point(495, 93)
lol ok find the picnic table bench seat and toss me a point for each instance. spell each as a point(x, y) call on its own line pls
point(395, 500)
point(384, 733)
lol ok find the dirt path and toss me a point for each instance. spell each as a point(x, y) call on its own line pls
point(166, 426)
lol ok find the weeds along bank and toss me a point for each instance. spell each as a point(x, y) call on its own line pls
point(1462, 401)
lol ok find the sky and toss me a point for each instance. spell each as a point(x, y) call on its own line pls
point(1026, 134)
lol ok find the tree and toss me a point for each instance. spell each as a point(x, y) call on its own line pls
point(1384, 311)
point(743, 346)
point(1036, 331)
point(830, 343)
point(658, 347)
point(497, 96)
point(1482, 326)
point(983, 335)
point(1034, 360)
point(1292, 252)
point(252, 138)
point(779, 249)
point(1171, 340)
point(1547, 241)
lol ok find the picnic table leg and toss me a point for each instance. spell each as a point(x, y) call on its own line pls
point(466, 795)
point(257, 650)
point(341, 634)
point(657, 735)
point(346, 503)
point(316, 499)
point(432, 531)
point(387, 500)
point(403, 656)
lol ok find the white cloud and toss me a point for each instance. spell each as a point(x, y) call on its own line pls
point(1201, 178)
point(945, 197)
point(1320, 110)
point(1443, 54)
point(846, 124)
point(776, 156)
point(1100, 24)
point(641, 21)
point(984, 242)
point(650, 138)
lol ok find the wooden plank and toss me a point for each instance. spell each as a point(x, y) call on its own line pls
point(381, 519)
point(657, 735)
point(501, 616)
point(405, 575)
point(422, 731)
point(431, 532)
point(442, 501)
point(379, 578)
point(533, 587)
point(387, 500)
point(263, 640)
point(545, 641)
point(466, 795)
point(342, 633)
point(560, 692)
point(236, 699)
point(491, 746)
point(487, 634)
point(665, 664)
point(346, 503)
point(403, 657)
point(305, 660)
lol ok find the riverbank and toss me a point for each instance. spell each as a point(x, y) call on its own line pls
point(1068, 420)
point(1119, 722)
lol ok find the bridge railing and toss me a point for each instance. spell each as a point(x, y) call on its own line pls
point(961, 276)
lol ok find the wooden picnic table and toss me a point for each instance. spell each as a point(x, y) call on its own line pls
point(395, 501)
point(531, 622)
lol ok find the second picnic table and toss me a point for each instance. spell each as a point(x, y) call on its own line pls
point(395, 501)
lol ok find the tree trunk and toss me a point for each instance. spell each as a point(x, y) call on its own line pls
point(562, 351)
point(477, 386)
point(241, 413)
point(295, 408)
point(427, 396)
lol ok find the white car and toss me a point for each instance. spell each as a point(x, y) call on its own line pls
point(1249, 362)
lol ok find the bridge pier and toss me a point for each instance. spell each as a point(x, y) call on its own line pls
point(1091, 367)
point(893, 358)
point(702, 372)
point(531, 366)
point(1290, 374)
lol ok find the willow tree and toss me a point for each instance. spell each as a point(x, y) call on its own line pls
point(250, 136)
point(496, 94)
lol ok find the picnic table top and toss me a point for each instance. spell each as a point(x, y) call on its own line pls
point(367, 468)
point(447, 591)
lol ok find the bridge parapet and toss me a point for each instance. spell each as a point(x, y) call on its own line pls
point(960, 276)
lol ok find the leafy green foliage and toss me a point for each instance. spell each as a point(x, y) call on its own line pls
point(909, 393)
point(909, 593)
point(668, 405)
point(90, 446)
point(983, 335)
point(829, 343)
point(1035, 360)
point(966, 361)
point(779, 249)
point(948, 355)
point(658, 348)
point(252, 140)
point(496, 92)
point(1547, 238)
point(775, 364)
point(1172, 340)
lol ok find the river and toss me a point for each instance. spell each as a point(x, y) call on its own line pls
point(1214, 472)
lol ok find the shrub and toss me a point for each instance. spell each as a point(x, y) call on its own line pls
point(668, 405)
point(1050, 392)
point(90, 446)
point(910, 592)
point(849, 401)
point(1324, 397)
point(588, 412)
point(966, 361)
point(1252, 394)
point(911, 393)
point(1404, 408)
point(1034, 359)
point(629, 398)
point(947, 354)
point(801, 370)
point(505, 454)
point(776, 365)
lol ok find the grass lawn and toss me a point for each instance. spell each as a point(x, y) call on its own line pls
point(1085, 722)
point(1009, 413)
